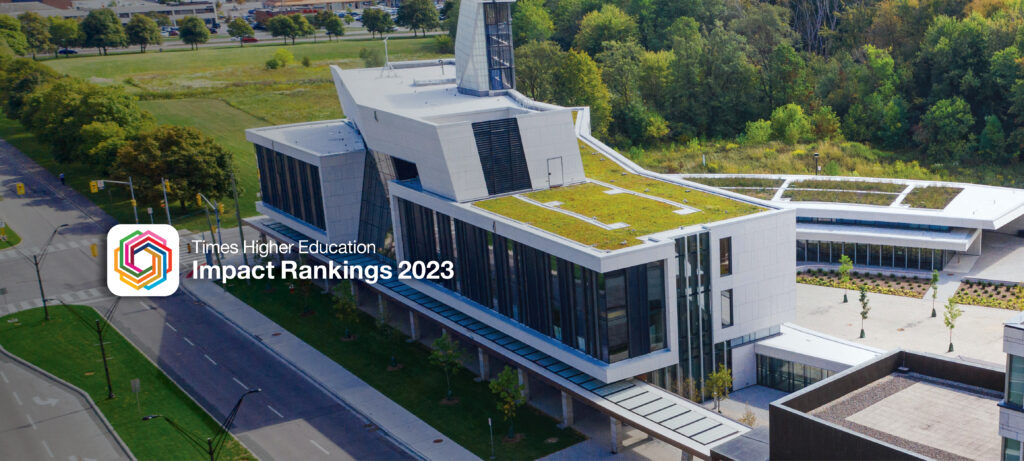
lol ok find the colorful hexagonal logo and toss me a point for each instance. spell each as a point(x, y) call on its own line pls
point(142, 260)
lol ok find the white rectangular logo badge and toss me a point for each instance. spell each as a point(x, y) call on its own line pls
point(142, 260)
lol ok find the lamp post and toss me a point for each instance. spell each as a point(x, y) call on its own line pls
point(816, 167)
point(100, 327)
point(37, 260)
point(212, 445)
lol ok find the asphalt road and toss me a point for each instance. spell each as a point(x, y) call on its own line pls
point(290, 419)
point(45, 420)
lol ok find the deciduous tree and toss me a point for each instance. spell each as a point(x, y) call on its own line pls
point(142, 31)
point(446, 356)
point(102, 30)
point(418, 14)
point(37, 33)
point(718, 384)
point(10, 33)
point(193, 31)
point(532, 22)
point(240, 29)
point(509, 391)
point(605, 25)
point(282, 26)
point(64, 33)
point(377, 21)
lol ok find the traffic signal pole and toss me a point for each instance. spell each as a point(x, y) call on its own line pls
point(167, 205)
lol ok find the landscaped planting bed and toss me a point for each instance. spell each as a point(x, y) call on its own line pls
point(758, 192)
point(935, 197)
point(877, 282)
point(727, 182)
point(990, 294)
point(864, 198)
point(848, 185)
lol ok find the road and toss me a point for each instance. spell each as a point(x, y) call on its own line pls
point(45, 420)
point(290, 419)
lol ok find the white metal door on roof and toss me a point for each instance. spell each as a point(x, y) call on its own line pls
point(555, 172)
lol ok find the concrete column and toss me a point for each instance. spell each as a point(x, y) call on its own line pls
point(615, 427)
point(686, 456)
point(524, 380)
point(567, 418)
point(380, 305)
point(483, 364)
point(414, 326)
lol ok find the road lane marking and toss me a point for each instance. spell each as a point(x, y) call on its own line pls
point(171, 327)
point(4, 377)
point(47, 447)
point(16, 398)
point(33, 423)
point(189, 342)
point(321, 448)
point(239, 383)
point(208, 358)
point(279, 415)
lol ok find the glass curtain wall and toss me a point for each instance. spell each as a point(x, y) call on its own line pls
point(863, 254)
point(693, 300)
point(612, 316)
point(787, 376)
point(498, 21)
point(291, 186)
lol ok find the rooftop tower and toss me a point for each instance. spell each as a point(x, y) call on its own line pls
point(483, 47)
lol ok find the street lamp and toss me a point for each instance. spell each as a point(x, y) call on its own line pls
point(37, 260)
point(816, 167)
point(212, 445)
point(99, 332)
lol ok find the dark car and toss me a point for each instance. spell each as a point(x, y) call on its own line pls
point(67, 52)
point(173, 33)
point(249, 40)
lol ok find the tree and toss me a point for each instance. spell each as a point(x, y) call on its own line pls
point(19, 78)
point(536, 66)
point(825, 124)
point(346, 311)
point(845, 265)
point(37, 33)
point(567, 15)
point(935, 289)
point(945, 128)
point(240, 29)
point(372, 57)
point(447, 356)
point(532, 22)
point(377, 22)
point(450, 15)
point(718, 384)
point(510, 396)
point(10, 32)
point(789, 124)
point(334, 27)
point(190, 160)
point(281, 26)
point(949, 317)
point(606, 25)
point(319, 20)
point(142, 31)
point(193, 31)
point(992, 143)
point(864, 309)
point(578, 83)
point(103, 30)
point(302, 26)
point(418, 14)
point(64, 33)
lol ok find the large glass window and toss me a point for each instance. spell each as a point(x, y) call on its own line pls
point(1011, 449)
point(1015, 380)
point(727, 320)
point(291, 186)
point(656, 305)
point(498, 21)
point(618, 322)
point(725, 256)
point(787, 376)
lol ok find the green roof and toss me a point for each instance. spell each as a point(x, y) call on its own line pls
point(615, 197)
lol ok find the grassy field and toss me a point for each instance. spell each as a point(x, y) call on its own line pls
point(72, 355)
point(12, 237)
point(417, 386)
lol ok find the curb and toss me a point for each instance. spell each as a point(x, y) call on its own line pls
point(380, 428)
point(88, 399)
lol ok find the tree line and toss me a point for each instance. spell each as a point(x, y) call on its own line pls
point(103, 126)
point(940, 77)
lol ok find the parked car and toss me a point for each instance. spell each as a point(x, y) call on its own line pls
point(249, 40)
point(66, 51)
point(173, 33)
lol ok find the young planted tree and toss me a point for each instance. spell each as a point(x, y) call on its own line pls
point(302, 27)
point(346, 311)
point(377, 22)
point(418, 14)
point(193, 31)
point(390, 335)
point(102, 30)
point(864, 308)
point(64, 33)
point(845, 265)
point(240, 29)
point(718, 384)
point(447, 356)
point(334, 27)
point(143, 31)
point(510, 396)
point(935, 289)
point(949, 317)
point(281, 26)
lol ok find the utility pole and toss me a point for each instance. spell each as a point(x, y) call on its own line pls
point(103, 352)
point(167, 205)
point(100, 325)
point(37, 260)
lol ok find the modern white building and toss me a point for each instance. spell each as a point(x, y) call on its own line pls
point(617, 287)
point(1011, 409)
point(887, 223)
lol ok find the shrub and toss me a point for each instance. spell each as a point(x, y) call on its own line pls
point(305, 61)
point(372, 57)
point(444, 44)
point(789, 124)
point(758, 132)
point(280, 59)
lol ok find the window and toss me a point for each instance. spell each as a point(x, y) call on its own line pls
point(1011, 449)
point(725, 256)
point(1015, 380)
point(727, 308)
point(656, 305)
point(618, 322)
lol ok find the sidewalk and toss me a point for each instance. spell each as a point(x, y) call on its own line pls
point(403, 426)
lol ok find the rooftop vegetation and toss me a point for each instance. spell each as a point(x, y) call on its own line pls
point(731, 182)
point(835, 184)
point(643, 215)
point(935, 197)
point(858, 197)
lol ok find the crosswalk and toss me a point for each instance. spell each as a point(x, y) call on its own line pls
point(12, 253)
point(73, 297)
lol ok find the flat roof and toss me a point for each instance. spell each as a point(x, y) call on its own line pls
point(925, 415)
point(809, 347)
point(322, 138)
point(424, 90)
point(616, 207)
point(975, 205)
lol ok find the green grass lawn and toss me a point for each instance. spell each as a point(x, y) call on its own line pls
point(71, 354)
point(417, 386)
point(12, 237)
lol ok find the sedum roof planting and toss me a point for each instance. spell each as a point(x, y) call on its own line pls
point(615, 207)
